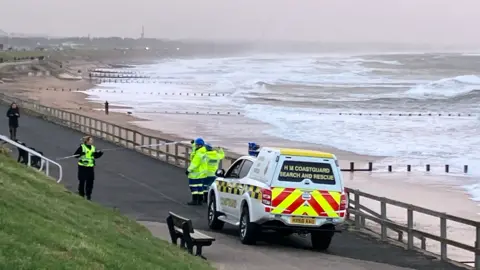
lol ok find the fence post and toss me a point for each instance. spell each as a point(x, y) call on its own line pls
point(142, 142)
point(410, 228)
point(357, 209)
point(443, 235)
point(90, 128)
point(477, 246)
point(352, 166)
point(187, 157)
point(176, 155)
point(135, 140)
point(167, 152)
point(383, 213)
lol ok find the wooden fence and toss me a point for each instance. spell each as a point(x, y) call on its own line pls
point(414, 235)
point(364, 217)
point(176, 154)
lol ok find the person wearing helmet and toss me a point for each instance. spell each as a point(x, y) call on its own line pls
point(213, 158)
point(197, 172)
point(192, 153)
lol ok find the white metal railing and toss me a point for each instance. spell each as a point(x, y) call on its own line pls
point(45, 161)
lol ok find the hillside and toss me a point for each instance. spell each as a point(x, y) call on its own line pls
point(43, 226)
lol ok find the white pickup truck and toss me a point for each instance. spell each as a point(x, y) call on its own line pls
point(285, 190)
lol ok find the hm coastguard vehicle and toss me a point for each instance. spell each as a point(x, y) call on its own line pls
point(285, 190)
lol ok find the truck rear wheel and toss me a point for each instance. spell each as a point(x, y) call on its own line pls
point(321, 240)
point(213, 222)
point(248, 230)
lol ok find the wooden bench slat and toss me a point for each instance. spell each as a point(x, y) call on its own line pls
point(179, 220)
point(196, 235)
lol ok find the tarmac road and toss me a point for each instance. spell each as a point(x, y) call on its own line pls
point(147, 189)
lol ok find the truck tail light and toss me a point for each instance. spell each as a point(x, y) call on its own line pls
point(266, 196)
point(343, 201)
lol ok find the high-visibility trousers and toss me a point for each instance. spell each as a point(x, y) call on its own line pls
point(196, 186)
point(207, 183)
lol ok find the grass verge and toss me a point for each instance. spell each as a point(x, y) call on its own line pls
point(42, 226)
point(10, 55)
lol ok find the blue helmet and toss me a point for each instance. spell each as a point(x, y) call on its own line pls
point(199, 141)
point(253, 149)
point(209, 147)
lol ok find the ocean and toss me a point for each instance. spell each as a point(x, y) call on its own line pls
point(394, 105)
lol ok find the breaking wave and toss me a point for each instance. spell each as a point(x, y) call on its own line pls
point(446, 88)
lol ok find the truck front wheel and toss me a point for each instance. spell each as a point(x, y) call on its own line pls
point(213, 222)
point(248, 230)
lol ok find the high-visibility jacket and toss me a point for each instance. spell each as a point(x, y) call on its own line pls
point(213, 159)
point(193, 152)
point(87, 160)
point(198, 166)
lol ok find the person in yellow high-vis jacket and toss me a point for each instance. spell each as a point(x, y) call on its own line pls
point(86, 154)
point(192, 153)
point(213, 158)
point(197, 172)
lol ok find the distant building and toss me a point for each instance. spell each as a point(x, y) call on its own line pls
point(1, 47)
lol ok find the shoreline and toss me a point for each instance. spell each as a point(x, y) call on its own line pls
point(167, 126)
point(170, 127)
point(410, 188)
point(173, 126)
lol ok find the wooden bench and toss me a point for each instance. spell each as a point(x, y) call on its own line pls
point(182, 228)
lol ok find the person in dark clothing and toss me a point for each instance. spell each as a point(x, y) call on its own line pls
point(22, 154)
point(86, 155)
point(13, 114)
point(35, 161)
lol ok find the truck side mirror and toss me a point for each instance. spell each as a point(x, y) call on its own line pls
point(220, 173)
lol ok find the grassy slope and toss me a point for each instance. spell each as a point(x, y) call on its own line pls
point(44, 227)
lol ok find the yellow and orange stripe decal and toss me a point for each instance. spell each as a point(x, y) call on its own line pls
point(321, 203)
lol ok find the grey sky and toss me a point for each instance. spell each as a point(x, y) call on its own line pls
point(423, 21)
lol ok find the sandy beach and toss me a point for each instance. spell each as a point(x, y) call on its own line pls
point(172, 127)
point(413, 188)
point(426, 191)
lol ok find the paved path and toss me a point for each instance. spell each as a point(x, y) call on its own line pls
point(146, 189)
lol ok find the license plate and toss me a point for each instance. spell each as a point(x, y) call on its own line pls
point(303, 220)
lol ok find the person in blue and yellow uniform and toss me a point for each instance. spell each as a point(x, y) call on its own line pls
point(213, 158)
point(192, 153)
point(86, 155)
point(197, 172)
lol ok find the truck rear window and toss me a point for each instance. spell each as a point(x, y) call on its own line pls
point(296, 171)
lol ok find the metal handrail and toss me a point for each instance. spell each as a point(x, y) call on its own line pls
point(45, 161)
